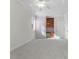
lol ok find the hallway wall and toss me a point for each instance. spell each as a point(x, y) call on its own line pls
point(20, 25)
point(61, 27)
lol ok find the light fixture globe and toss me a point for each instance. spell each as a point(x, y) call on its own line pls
point(41, 4)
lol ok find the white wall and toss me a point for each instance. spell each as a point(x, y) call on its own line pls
point(21, 28)
point(66, 25)
point(61, 27)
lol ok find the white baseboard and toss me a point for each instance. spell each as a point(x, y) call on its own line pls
point(19, 45)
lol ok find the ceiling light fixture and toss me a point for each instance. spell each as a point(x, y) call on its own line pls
point(40, 4)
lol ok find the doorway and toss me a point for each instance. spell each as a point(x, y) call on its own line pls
point(50, 27)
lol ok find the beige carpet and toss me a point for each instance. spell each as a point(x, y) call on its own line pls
point(42, 49)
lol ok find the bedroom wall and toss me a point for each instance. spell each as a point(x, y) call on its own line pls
point(20, 25)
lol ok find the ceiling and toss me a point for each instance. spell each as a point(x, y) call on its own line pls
point(56, 7)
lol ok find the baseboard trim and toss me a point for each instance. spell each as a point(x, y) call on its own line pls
point(19, 45)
